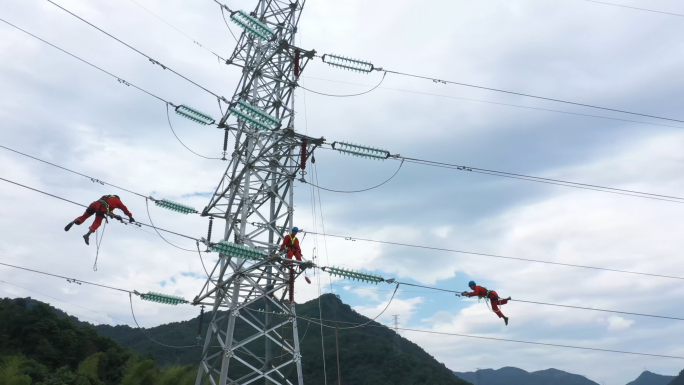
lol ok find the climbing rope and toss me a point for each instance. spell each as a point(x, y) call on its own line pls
point(98, 243)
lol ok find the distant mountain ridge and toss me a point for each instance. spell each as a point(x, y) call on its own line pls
point(649, 378)
point(515, 376)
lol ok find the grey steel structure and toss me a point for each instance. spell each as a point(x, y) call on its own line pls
point(248, 343)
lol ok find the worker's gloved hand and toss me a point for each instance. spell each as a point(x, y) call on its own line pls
point(130, 219)
point(465, 294)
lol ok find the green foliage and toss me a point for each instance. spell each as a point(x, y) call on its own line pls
point(64, 376)
point(91, 364)
point(140, 373)
point(178, 375)
point(12, 371)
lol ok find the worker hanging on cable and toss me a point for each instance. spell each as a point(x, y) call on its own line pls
point(102, 208)
point(491, 295)
point(291, 245)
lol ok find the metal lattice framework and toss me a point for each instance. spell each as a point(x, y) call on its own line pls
point(245, 344)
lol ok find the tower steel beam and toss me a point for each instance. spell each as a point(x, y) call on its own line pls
point(253, 336)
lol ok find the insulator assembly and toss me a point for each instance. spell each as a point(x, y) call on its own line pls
point(253, 26)
point(194, 115)
point(362, 151)
point(353, 275)
point(347, 63)
point(304, 154)
point(235, 250)
point(254, 116)
point(163, 298)
point(167, 204)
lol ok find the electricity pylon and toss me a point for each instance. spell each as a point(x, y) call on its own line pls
point(397, 348)
point(255, 198)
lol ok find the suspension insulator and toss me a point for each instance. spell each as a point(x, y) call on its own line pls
point(183, 209)
point(296, 64)
point(303, 162)
point(353, 275)
point(163, 298)
point(211, 224)
point(194, 115)
point(225, 144)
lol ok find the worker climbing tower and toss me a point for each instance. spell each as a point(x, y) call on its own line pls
point(252, 336)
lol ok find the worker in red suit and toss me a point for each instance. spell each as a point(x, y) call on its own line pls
point(101, 208)
point(291, 245)
point(482, 292)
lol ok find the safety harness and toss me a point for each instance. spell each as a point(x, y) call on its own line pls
point(485, 296)
point(104, 202)
point(292, 241)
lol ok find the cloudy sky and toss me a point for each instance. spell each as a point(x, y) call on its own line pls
point(61, 110)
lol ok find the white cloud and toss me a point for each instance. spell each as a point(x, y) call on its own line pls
point(618, 323)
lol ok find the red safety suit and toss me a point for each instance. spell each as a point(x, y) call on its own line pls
point(482, 292)
point(292, 245)
point(100, 208)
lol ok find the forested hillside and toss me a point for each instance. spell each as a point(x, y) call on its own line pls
point(367, 354)
point(41, 345)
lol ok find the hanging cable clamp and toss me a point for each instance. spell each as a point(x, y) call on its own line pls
point(97, 181)
point(391, 280)
point(157, 63)
point(123, 82)
point(71, 280)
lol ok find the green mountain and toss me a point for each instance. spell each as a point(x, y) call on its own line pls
point(648, 378)
point(45, 346)
point(515, 376)
point(367, 354)
point(42, 345)
point(679, 380)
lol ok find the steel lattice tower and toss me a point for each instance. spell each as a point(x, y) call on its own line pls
point(255, 197)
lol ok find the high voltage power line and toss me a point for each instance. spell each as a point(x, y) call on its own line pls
point(124, 82)
point(558, 182)
point(222, 6)
point(120, 80)
point(496, 103)
point(153, 61)
point(321, 321)
point(181, 32)
point(82, 205)
point(369, 323)
point(635, 8)
point(495, 256)
point(349, 237)
point(436, 80)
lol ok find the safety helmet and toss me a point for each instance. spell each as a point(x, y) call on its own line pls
point(471, 283)
point(295, 229)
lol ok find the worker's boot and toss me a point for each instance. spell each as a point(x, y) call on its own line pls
point(86, 238)
point(69, 225)
point(506, 320)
